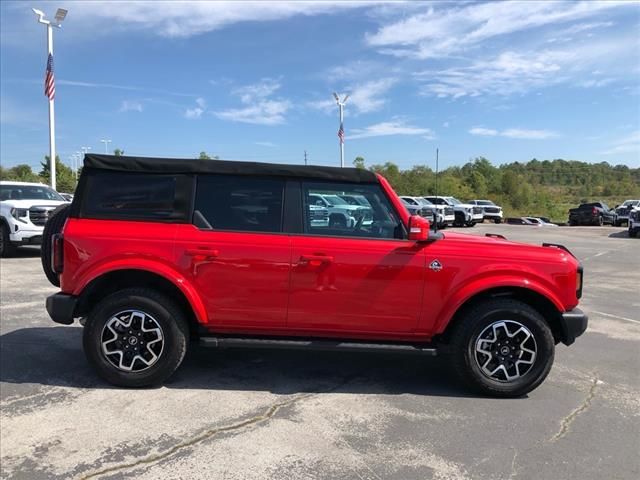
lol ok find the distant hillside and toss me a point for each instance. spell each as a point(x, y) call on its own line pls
point(547, 188)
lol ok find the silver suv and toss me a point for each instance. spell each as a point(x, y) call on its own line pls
point(490, 210)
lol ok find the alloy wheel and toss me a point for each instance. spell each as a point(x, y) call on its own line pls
point(505, 350)
point(132, 340)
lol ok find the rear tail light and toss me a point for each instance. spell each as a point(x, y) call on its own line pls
point(594, 211)
point(579, 282)
point(57, 253)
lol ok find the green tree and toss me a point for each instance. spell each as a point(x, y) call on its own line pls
point(205, 156)
point(358, 162)
point(19, 173)
point(118, 152)
point(65, 178)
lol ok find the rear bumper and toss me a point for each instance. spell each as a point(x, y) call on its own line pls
point(61, 307)
point(573, 323)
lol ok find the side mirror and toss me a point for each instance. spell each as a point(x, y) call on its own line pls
point(418, 228)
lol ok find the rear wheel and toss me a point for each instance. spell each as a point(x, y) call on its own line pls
point(503, 348)
point(600, 221)
point(135, 338)
point(7, 249)
point(53, 226)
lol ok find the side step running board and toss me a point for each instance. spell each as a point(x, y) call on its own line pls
point(326, 345)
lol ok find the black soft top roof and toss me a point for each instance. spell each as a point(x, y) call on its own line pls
point(175, 165)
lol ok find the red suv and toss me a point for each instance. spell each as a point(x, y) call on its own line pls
point(153, 253)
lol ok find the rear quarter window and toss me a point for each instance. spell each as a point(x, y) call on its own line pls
point(137, 196)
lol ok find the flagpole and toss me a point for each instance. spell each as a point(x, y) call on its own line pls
point(341, 105)
point(61, 13)
point(52, 117)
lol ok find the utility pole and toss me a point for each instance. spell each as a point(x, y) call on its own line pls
point(49, 88)
point(341, 129)
point(305, 157)
point(106, 145)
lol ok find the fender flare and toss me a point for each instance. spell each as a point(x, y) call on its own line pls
point(150, 266)
point(486, 284)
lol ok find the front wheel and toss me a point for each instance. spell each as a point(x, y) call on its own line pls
point(135, 338)
point(497, 220)
point(502, 348)
point(7, 249)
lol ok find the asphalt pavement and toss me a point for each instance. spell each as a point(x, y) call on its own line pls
point(252, 414)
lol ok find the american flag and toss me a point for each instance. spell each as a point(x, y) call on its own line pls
point(49, 82)
point(341, 133)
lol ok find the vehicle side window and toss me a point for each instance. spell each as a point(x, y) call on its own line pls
point(240, 203)
point(137, 196)
point(334, 216)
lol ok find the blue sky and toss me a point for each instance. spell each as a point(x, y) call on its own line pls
point(253, 81)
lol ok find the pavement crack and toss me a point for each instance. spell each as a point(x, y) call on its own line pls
point(566, 422)
point(266, 415)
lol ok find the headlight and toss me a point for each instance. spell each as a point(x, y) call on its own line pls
point(19, 213)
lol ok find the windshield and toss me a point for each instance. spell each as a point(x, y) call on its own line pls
point(409, 200)
point(454, 201)
point(424, 201)
point(335, 200)
point(28, 192)
point(484, 202)
point(630, 203)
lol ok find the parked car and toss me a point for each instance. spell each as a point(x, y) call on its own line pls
point(341, 213)
point(595, 213)
point(490, 210)
point(465, 214)
point(634, 222)
point(425, 209)
point(240, 265)
point(540, 222)
point(622, 211)
point(67, 196)
point(24, 209)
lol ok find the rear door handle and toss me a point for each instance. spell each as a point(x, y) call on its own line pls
point(202, 252)
point(315, 259)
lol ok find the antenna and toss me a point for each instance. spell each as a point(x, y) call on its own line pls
point(305, 157)
point(436, 219)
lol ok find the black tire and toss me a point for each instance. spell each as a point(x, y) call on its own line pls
point(472, 324)
point(7, 249)
point(497, 220)
point(166, 314)
point(53, 226)
point(600, 221)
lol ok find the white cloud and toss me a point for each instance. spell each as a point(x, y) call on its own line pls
point(75, 83)
point(197, 111)
point(260, 108)
point(189, 18)
point(131, 106)
point(266, 144)
point(628, 144)
point(445, 31)
point(363, 98)
point(397, 127)
point(486, 132)
point(519, 133)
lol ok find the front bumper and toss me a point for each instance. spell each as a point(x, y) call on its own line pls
point(573, 324)
point(61, 307)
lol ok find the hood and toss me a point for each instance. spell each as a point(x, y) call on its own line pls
point(513, 250)
point(28, 203)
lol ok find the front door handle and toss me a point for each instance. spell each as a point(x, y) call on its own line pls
point(315, 259)
point(202, 252)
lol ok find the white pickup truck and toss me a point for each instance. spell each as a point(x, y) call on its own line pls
point(465, 213)
point(634, 222)
point(24, 209)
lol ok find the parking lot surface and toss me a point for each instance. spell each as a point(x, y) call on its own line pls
point(251, 414)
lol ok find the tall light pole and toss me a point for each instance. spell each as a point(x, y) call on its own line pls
point(106, 145)
point(49, 87)
point(341, 129)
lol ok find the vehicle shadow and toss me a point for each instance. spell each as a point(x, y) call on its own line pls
point(621, 234)
point(27, 252)
point(53, 357)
